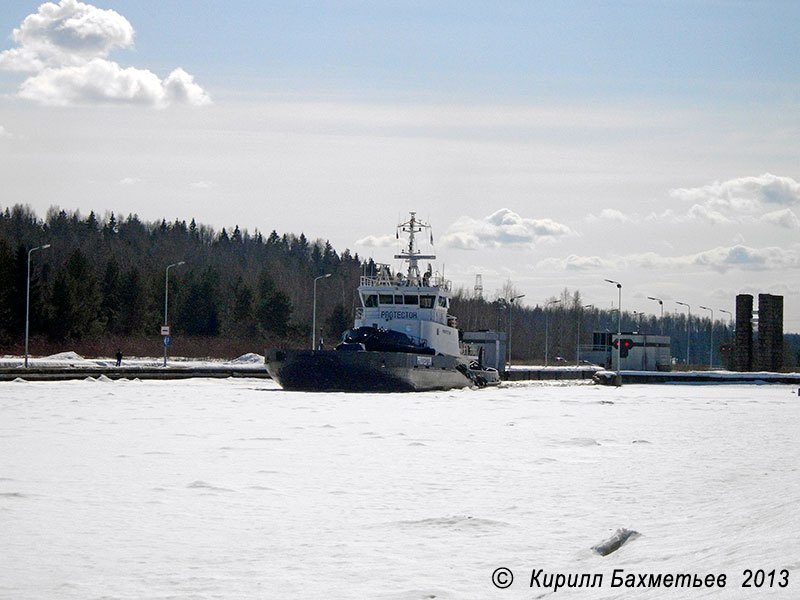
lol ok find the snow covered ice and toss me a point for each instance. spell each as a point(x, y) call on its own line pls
point(237, 489)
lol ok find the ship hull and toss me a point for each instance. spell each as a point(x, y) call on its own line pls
point(348, 371)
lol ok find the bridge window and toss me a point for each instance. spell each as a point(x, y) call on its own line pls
point(386, 299)
point(370, 300)
point(442, 302)
point(426, 301)
point(398, 299)
point(409, 299)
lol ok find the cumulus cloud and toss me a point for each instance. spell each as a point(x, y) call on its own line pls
point(611, 214)
point(65, 47)
point(700, 212)
point(740, 200)
point(502, 228)
point(576, 263)
point(783, 218)
point(720, 259)
point(377, 241)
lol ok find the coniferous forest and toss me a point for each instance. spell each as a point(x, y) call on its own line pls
point(100, 286)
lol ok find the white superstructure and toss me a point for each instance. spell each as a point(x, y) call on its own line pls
point(412, 303)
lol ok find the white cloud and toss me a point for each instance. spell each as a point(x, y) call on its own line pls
point(203, 185)
point(576, 263)
point(129, 181)
point(614, 215)
point(4, 133)
point(739, 200)
point(720, 259)
point(377, 241)
point(700, 212)
point(502, 228)
point(783, 218)
point(611, 214)
point(66, 46)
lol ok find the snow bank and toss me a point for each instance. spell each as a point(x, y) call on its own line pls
point(249, 358)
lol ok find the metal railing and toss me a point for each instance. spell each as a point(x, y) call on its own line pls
point(382, 281)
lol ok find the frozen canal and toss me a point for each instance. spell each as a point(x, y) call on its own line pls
point(236, 489)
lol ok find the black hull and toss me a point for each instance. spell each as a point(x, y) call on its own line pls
point(343, 371)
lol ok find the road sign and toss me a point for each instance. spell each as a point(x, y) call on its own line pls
point(165, 330)
point(166, 340)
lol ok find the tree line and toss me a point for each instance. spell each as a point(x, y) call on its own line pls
point(101, 285)
point(105, 279)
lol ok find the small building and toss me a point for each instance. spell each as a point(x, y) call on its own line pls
point(493, 344)
point(638, 351)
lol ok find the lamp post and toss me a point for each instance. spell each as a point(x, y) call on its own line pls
point(688, 321)
point(314, 312)
point(546, 328)
point(619, 327)
point(730, 315)
point(711, 344)
point(166, 301)
point(28, 298)
point(510, 303)
point(578, 336)
point(661, 302)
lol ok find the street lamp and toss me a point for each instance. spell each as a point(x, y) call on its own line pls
point(730, 316)
point(546, 329)
point(578, 336)
point(619, 327)
point(711, 345)
point(510, 304)
point(28, 298)
point(166, 302)
point(688, 321)
point(661, 302)
point(314, 312)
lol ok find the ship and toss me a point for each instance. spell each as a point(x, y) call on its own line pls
point(403, 337)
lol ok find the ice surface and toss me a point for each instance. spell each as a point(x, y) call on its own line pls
point(237, 489)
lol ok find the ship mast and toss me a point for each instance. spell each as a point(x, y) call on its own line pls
point(412, 254)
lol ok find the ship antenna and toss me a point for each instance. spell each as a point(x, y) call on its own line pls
point(412, 255)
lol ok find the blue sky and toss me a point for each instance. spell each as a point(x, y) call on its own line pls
point(552, 144)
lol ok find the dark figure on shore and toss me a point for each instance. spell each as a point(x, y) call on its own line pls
point(119, 357)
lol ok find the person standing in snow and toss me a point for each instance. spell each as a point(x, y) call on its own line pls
point(119, 357)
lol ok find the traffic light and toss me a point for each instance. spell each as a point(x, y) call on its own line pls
point(624, 346)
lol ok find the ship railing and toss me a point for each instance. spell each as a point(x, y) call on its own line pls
point(374, 281)
point(359, 312)
point(432, 282)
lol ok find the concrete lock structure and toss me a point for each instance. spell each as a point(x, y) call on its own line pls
point(765, 353)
